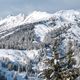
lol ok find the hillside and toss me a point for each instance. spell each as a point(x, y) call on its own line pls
point(34, 35)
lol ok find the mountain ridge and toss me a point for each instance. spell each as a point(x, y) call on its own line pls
point(42, 23)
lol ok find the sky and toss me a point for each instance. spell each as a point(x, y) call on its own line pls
point(14, 7)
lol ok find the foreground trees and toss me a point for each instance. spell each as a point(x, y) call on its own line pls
point(61, 68)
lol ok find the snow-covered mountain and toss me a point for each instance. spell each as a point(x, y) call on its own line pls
point(42, 20)
point(36, 30)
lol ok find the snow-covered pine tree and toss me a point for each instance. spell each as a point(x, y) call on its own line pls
point(61, 68)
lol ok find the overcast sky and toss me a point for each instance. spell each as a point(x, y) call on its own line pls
point(14, 7)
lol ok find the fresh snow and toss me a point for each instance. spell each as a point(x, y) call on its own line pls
point(37, 16)
point(11, 21)
point(67, 15)
point(18, 55)
point(42, 30)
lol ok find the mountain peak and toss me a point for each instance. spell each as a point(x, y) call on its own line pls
point(37, 16)
point(68, 15)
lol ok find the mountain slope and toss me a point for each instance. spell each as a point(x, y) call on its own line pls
point(37, 33)
point(40, 28)
point(42, 23)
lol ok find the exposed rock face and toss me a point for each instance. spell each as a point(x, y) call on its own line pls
point(20, 37)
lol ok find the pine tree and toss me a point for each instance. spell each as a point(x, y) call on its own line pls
point(61, 68)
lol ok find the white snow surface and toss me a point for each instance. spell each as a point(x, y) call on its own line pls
point(13, 21)
point(18, 55)
point(37, 16)
point(10, 22)
point(41, 30)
